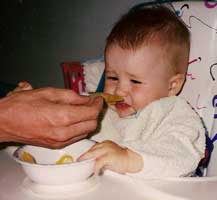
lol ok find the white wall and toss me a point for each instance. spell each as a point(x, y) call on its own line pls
point(40, 34)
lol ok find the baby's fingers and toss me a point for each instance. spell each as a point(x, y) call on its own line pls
point(103, 163)
point(92, 153)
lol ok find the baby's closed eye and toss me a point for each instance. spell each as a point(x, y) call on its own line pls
point(135, 81)
point(113, 78)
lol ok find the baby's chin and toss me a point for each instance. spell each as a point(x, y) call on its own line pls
point(125, 113)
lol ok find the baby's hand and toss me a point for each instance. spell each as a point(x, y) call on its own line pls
point(111, 156)
point(21, 86)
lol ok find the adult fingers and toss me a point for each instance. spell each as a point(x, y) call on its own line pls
point(59, 144)
point(49, 143)
point(24, 85)
point(62, 134)
point(70, 114)
point(65, 96)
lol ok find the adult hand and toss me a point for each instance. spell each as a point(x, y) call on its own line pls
point(47, 117)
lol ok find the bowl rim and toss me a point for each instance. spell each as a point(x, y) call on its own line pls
point(16, 158)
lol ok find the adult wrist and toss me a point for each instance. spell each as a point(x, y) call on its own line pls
point(4, 122)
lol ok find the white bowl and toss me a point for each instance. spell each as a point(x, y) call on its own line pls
point(47, 172)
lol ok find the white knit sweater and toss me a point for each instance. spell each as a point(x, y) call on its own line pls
point(167, 133)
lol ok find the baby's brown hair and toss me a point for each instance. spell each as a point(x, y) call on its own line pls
point(156, 25)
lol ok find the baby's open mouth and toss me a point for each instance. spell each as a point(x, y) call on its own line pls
point(122, 105)
point(128, 110)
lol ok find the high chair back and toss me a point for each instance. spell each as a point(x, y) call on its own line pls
point(73, 76)
point(200, 89)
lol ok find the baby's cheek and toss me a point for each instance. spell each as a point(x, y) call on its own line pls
point(139, 99)
point(109, 88)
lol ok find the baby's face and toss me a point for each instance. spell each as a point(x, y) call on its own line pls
point(139, 76)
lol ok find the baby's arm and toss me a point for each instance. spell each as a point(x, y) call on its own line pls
point(110, 155)
point(23, 85)
point(175, 154)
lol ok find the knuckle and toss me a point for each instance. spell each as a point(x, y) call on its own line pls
point(93, 113)
point(57, 145)
point(61, 137)
point(91, 126)
point(94, 124)
point(58, 136)
point(49, 90)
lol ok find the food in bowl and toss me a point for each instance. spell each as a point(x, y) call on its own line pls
point(27, 157)
point(64, 159)
point(47, 172)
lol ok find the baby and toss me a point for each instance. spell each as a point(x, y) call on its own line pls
point(152, 133)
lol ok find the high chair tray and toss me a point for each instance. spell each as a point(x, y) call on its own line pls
point(14, 185)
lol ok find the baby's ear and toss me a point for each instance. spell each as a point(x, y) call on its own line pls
point(176, 83)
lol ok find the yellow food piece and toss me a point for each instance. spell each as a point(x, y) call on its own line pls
point(109, 98)
point(64, 160)
point(27, 157)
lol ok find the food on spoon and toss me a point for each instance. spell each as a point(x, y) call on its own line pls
point(65, 159)
point(109, 98)
point(27, 157)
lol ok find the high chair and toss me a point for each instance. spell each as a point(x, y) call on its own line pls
point(200, 89)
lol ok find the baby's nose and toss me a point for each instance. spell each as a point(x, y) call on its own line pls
point(121, 90)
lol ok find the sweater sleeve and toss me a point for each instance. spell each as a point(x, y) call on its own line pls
point(175, 147)
point(172, 156)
